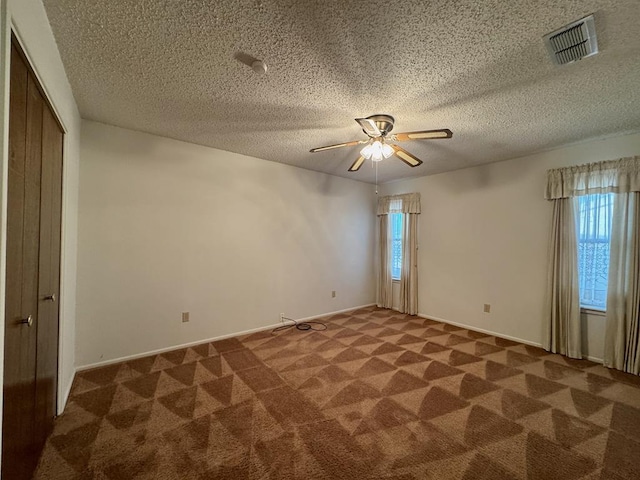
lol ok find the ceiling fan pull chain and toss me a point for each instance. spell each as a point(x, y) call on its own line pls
point(376, 167)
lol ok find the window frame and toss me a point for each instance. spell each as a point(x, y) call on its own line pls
point(589, 308)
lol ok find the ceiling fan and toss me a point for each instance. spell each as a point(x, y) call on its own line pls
point(377, 128)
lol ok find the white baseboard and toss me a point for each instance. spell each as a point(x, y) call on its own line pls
point(496, 334)
point(482, 330)
point(350, 309)
point(173, 347)
point(206, 340)
point(62, 403)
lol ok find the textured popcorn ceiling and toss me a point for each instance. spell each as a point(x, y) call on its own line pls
point(477, 67)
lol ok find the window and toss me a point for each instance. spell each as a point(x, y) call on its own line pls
point(396, 245)
point(594, 239)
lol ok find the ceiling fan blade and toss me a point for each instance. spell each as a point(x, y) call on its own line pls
point(338, 145)
point(369, 126)
point(406, 157)
point(423, 135)
point(357, 164)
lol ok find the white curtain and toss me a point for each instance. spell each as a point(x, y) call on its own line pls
point(406, 203)
point(385, 284)
point(611, 176)
point(562, 328)
point(622, 339)
point(622, 178)
point(409, 206)
point(409, 275)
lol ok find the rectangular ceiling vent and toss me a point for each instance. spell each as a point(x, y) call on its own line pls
point(573, 42)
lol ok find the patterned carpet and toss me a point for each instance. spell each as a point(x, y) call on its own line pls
point(378, 395)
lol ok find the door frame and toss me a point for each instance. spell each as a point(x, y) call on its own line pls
point(61, 393)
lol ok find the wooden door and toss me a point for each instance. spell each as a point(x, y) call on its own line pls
point(33, 267)
point(49, 276)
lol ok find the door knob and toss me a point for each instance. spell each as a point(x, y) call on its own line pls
point(27, 321)
point(51, 297)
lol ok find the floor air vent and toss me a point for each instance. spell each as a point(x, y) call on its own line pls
point(573, 42)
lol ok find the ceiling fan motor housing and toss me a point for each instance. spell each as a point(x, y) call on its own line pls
point(383, 122)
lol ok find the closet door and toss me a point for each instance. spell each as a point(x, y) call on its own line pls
point(49, 276)
point(23, 238)
point(33, 272)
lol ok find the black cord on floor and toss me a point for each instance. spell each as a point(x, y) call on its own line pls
point(308, 325)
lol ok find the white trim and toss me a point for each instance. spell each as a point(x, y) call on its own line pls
point(593, 311)
point(499, 335)
point(5, 74)
point(173, 347)
point(482, 330)
point(207, 340)
point(64, 395)
point(350, 309)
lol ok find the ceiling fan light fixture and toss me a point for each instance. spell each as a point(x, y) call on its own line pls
point(376, 151)
point(367, 151)
point(387, 151)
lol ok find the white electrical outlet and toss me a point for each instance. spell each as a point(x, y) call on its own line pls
point(282, 318)
point(185, 317)
point(487, 308)
point(333, 294)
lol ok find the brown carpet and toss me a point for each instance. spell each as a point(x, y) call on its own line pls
point(378, 395)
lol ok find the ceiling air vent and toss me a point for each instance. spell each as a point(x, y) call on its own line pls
point(573, 42)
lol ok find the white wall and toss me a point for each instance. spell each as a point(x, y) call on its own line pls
point(29, 21)
point(483, 236)
point(593, 330)
point(167, 226)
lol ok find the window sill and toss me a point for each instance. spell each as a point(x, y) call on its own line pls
point(395, 280)
point(592, 311)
